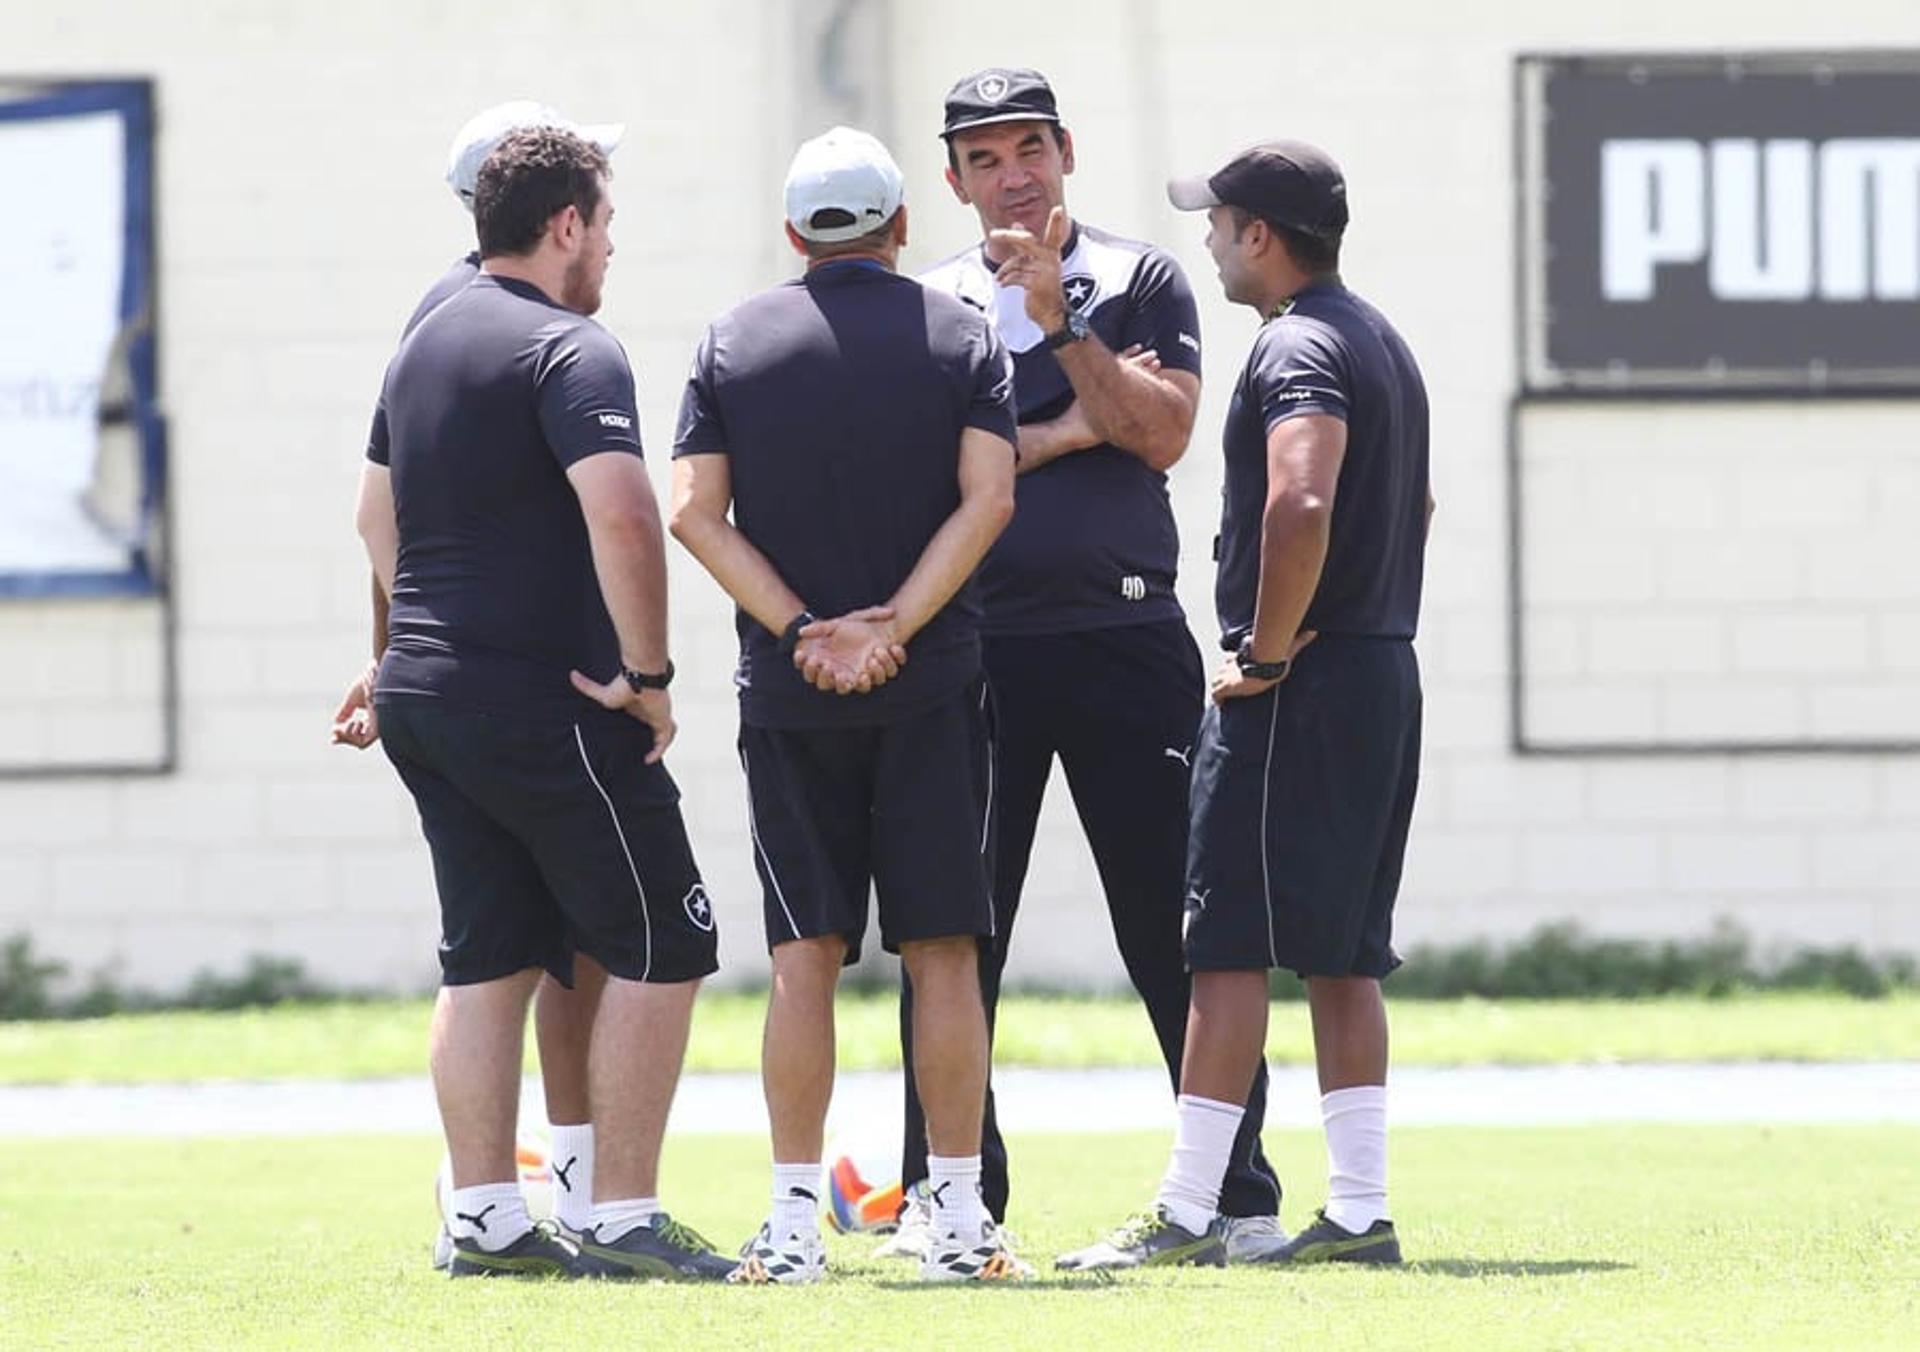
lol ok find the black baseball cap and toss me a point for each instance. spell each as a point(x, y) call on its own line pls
point(1288, 182)
point(999, 94)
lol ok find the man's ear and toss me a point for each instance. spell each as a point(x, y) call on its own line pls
point(793, 238)
point(565, 228)
point(900, 227)
point(1066, 151)
point(953, 181)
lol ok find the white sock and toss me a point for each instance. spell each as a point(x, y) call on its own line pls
point(572, 1174)
point(1202, 1144)
point(613, 1219)
point(796, 1200)
point(491, 1215)
point(1356, 1121)
point(953, 1193)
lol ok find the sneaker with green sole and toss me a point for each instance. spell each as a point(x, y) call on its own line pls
point(1327, 1241)
point(1151, 1239)
point(663, 1248)
point(540, 1252)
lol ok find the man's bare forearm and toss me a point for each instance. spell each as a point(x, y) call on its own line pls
point(630, 560)
point(380, 616)
point(1042, 443)
point(1293, 550)
point(949, 560)
point(1144, 414)
point(745, 574)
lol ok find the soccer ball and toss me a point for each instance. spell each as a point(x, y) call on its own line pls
point(535, 1161)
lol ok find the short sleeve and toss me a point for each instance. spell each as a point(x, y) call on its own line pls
point(1162, 314)
point(379, 447)
point(1297, 369)
point(699, 429)
point(990, 402)
point(584, 390)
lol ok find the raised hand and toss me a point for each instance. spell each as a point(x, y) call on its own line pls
point(1034, 263)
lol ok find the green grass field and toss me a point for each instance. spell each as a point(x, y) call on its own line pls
point(1677, 1237)
point(389, 1038)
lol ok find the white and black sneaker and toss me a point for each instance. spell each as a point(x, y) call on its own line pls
point(988, 1259)
point(915, 1235)
point(1253, 1239)
point(796, 1261)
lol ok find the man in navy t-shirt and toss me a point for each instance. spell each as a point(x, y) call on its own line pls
point(508, 514)
point(1086, 646)
point(562, 1016)
point(858, 428)
point(1308, 759)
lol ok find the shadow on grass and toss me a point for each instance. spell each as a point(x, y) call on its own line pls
point(1052, 1282)
point(1492, 1267)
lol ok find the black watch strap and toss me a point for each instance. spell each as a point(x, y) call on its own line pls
point(1072, 331)
point(790, 636)
point(648, 680)
point(1260, 671)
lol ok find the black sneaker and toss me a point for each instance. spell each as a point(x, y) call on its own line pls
point(540, 1252)
point(1151, 1239)
point(1328, 1241)
point(663, 1248)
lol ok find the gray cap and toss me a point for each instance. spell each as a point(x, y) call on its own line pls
point(485, 131)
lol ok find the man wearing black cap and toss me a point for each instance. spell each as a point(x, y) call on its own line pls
point(1087, 648)
point(1305, 771)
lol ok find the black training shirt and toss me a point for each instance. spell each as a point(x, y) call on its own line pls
point(1332, 353)
point(839, 400)
point(485, 406)
point(1092, 544)
point(454, 279)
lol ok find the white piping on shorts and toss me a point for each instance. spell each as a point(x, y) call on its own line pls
point(986, 823)
point(1266, 793)
point(646, 918)
point(753, 829)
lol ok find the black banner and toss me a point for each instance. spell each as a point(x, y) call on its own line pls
point(1723, 223)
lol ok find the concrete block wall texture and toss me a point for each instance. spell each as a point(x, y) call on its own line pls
point(302, 213)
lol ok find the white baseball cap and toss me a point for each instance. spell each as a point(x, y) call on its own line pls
point(844, 171)
point(485, 131)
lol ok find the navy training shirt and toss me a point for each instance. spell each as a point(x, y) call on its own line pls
point(1092, 544)
point(839, 400)
point(453, 280)
point(1330, 352)
point(495, 598)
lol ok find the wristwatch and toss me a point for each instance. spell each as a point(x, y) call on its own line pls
point(790, 636)
point(641, 681)
point(1259, 671)
point(1072, 331)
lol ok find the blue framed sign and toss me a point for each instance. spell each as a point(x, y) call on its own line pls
point(82, 444)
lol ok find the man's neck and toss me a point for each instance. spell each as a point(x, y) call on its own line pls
point(878, 257)
point(528, 268)
point(1279, 293)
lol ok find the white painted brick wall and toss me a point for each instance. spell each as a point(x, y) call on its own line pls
point(1691, 574)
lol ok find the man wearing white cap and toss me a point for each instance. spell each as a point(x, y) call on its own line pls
point(563, 1017)
point(859, 429)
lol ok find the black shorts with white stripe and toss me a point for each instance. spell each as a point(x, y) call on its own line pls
point(548, 838)
point(1301, 801)
point(901, 809)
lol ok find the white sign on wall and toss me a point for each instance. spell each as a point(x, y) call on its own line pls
point(79, 445)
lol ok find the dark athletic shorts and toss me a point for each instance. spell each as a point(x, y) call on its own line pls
point(903, 809)
point(551, 837)
point(1301, 802)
